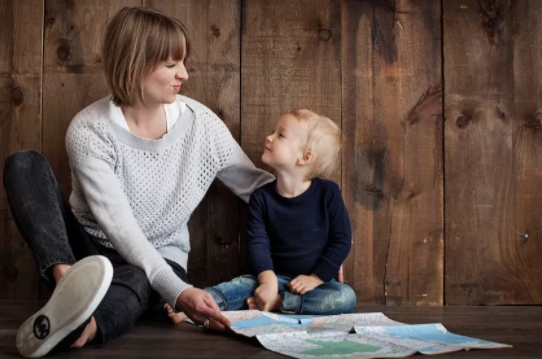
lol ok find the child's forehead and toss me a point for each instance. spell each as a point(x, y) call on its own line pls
point(291, 123)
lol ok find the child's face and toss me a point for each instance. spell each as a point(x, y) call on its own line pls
point(284, 146)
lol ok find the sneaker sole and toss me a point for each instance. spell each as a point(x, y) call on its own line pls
point(73, 301)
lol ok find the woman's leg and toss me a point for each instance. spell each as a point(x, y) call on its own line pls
point(56, 238)
point(126, 300)
point(326, 299)
point(42, 215)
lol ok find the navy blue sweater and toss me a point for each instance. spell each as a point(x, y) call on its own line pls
point(306, 234)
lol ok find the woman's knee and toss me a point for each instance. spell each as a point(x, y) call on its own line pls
point(21, 162)
point(134, 281)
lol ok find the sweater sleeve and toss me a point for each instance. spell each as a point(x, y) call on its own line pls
point(258, 245)
point(92, 162)
point(236, 170)
point(340, 238)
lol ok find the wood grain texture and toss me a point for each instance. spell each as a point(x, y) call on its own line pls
point(392, 158)
point(493, 166)
point(21, 36)
point(376, 68)
point(525, 248)
point(213, 67)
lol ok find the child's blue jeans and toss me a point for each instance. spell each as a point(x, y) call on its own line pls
point(326, 299)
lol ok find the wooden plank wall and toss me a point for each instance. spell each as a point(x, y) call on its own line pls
point(493, 152)
point(443, 212)
point(21, 58)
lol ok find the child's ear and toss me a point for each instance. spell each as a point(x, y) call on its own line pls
point(306, 158)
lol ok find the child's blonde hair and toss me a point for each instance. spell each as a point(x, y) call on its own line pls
point(323, 141)
point(136, 40)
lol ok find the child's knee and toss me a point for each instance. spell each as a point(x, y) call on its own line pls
point(342, 299)
point(350, 298)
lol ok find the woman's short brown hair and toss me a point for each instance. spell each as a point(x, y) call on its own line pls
point(136, 40)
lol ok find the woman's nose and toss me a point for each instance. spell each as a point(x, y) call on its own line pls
point(182, 73)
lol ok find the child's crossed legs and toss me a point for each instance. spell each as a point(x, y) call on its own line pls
point(326, 299)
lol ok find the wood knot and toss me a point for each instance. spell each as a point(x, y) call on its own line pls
point(50, 21)
point(501, 113)
point(324, 34)
point(216, 30)
point(490, 16)
point(16, 96)
point(534, 122)
point(462, 121)
point(11, 274)
point(63, 52)
point(220, 114)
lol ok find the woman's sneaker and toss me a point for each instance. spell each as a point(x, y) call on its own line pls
point(74, 300)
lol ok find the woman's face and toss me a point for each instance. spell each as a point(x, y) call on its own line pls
point(164, 82)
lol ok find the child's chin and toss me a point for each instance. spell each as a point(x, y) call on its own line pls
point(267, 162)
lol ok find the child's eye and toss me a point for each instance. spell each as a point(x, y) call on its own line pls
point(281, 135)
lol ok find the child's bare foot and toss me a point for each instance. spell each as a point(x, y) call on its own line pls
point(251, 302)
point(275, 305)
point(176, 318)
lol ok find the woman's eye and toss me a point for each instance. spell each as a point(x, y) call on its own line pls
point(170, 66)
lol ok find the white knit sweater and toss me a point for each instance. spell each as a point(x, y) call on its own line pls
point(136, 195)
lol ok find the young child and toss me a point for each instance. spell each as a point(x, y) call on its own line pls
point(298, 231)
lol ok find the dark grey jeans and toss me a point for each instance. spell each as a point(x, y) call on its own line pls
point(54, 235)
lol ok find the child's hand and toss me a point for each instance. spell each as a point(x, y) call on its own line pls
point(304, 283)
point(266, 296)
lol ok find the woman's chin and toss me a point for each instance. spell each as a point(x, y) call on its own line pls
point(171, 99)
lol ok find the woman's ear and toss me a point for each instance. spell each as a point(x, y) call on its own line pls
point(306, 158)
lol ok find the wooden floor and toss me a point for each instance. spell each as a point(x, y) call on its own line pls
point(518, 326)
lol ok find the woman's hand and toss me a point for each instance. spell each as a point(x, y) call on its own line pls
point(304, 283)
point(200, 306)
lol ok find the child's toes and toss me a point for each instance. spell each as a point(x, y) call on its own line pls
point(251, 303)
point(177, 318)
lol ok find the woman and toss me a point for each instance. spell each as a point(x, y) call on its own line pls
point(141, 161)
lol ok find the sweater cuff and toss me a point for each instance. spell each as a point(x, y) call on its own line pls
point(169, 286)
point(325, 273)
point(262, 267)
